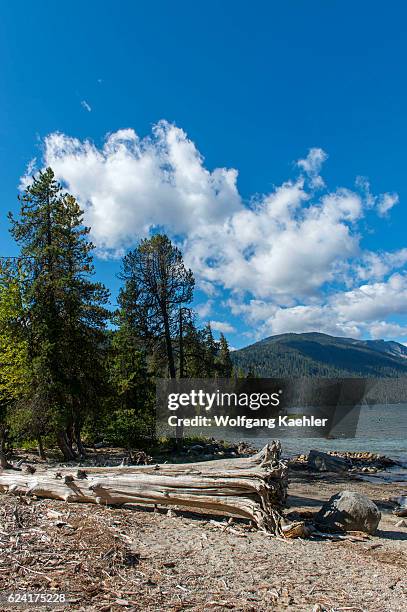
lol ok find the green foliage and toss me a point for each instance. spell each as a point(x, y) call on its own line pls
point(132, 415)
point(195, 362)
point(156, 285)
point(204, 357)
point(65, 310)
point(62, 372)
point(224, 361)
point(14, 372)
point(210, 351)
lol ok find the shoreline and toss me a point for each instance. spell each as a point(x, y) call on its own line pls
point(363, 462)
point(138, 558)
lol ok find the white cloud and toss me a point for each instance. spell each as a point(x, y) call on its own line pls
point(222, 326)
point(208, 288)
point(383, 202)
point(375, 266)
point(204, 310)
point(279, 248)
point(312, 165)
point(30, 170)
point(290, 260)
point(386, 202)
point(384, 330)
point(372, 301)
point(131, 184)
point(86, 106)
point(359, 312)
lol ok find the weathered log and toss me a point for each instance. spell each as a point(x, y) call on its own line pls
point(252, 487)
point(323, 462)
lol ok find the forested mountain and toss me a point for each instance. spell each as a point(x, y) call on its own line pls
point(315, 354)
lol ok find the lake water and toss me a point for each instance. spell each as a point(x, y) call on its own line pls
point(381, 429)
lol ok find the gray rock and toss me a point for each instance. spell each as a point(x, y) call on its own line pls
point(349, 511)
point(401, 502)
point(322, 462)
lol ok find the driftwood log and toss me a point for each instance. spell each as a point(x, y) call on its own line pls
point(249, 487)
point(323, 462)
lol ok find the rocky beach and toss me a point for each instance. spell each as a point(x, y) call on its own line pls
point(144, 558)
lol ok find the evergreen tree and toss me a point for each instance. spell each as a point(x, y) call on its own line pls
point(224, 361)
point(195, 351)
point(132, 418)
point(66, 310)
point(14, 370)
point(211, 351)
point(156, 285)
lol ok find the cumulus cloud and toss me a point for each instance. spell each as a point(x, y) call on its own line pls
point(374, 300)
point(385, 330)
point(375, 266)
point(134, 184)
point(288, 260)
point(222, 326)
point(383, 202)
point(208, 288)
point(359, 312)
point(279, 248)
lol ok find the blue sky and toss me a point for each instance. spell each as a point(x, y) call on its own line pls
point(244, 91)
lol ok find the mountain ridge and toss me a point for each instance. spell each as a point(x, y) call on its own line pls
point(318, 354)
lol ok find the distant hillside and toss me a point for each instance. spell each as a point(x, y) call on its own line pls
point(315, 354)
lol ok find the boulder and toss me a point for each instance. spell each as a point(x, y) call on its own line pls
point(322, 462)
point(349, 511)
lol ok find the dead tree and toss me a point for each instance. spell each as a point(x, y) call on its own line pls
point(253, 487)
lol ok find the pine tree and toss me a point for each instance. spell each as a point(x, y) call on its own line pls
point(66, 310)
point(195, 351)
point(132, 418)
point(156, 285)
point(224, 362)
point(211, 349)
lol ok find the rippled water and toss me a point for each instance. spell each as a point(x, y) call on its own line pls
point(381, 429)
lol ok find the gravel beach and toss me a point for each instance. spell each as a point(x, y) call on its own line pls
point(140, 559)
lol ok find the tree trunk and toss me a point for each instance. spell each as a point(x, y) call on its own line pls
point(78, 440)
point(65, 447)
point(181, 346)
point(40, 446)
point(254, 488)
point(3, 457)
point(168, 345)
point(69, 433)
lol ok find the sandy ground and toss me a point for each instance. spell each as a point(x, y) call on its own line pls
point(127, 559)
